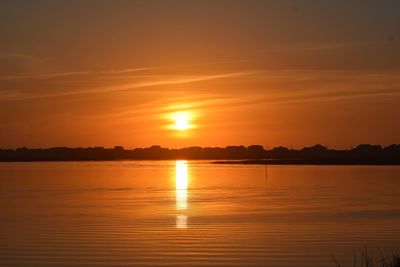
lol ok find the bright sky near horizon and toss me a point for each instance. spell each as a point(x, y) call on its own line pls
point(207, 73)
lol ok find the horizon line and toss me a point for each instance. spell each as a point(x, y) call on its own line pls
point(194, 146)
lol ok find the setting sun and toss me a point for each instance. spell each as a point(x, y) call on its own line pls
point(182, 121)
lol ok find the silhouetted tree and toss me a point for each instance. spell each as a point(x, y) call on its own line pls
point(317, 154)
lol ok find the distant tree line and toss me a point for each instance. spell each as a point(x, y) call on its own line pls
point(317, 154)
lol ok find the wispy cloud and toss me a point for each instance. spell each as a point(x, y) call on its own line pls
point(100, 74)
point(130, 86)
point(267, 86)
point(49, 75)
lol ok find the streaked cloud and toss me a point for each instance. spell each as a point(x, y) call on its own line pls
point(50, 75)
point(129, 86)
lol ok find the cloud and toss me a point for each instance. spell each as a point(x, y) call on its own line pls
point(267, 87)
point(100, 74)
point(129, 86)
point(50, 75)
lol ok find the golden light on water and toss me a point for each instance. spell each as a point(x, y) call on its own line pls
point(181, 187)
point(181, 221)
point(181, 184)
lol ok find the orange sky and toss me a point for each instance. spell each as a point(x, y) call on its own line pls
point(290, 73)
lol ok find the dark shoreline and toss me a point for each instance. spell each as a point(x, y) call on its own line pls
point(365, 154)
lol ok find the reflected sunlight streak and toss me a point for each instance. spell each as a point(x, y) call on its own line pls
point(181, 184)
point(181, 179)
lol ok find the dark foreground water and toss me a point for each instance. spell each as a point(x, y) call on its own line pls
point(169, 213)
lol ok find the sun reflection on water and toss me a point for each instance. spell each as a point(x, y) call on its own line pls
point(181, 180)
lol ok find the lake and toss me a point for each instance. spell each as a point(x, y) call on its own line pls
point(194, 213)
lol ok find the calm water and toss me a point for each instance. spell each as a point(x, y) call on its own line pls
point(169, 213)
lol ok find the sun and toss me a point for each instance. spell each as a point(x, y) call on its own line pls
point(182, 121)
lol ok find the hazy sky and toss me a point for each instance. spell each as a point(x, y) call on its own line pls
point(293, 73)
